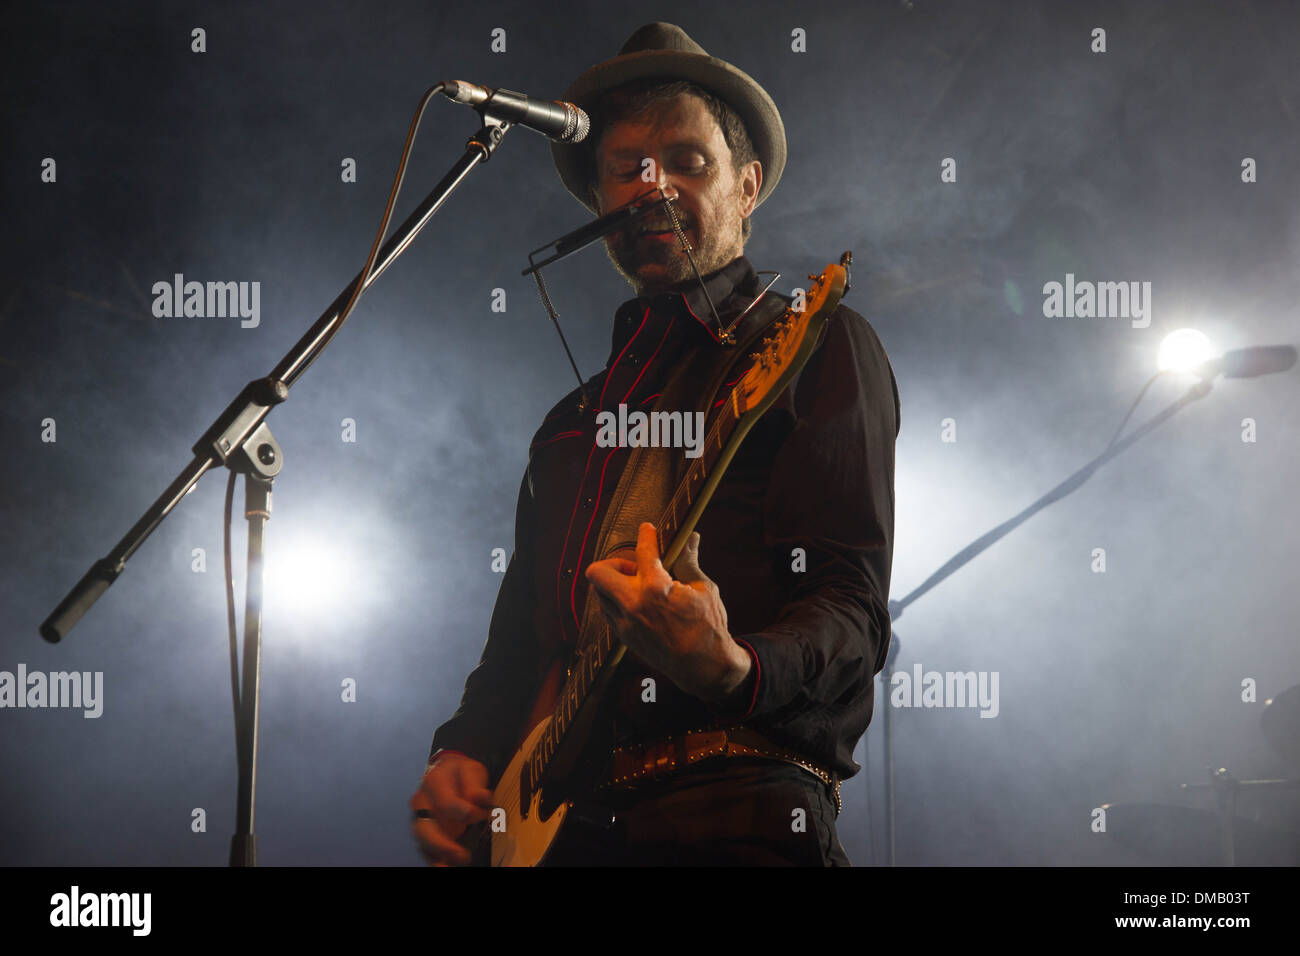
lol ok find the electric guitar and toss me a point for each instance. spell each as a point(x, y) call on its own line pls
point(529, 798)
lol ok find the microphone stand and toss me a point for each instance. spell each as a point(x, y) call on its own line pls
point(896, 608)
point(240, 440)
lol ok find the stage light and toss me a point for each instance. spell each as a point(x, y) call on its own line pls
point(1184, 350)
point(310, 577)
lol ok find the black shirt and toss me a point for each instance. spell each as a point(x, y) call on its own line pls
point(798, 538)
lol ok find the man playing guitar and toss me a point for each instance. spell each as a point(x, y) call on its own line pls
point(724, 732)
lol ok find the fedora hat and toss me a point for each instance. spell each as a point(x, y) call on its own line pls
point(663, 51)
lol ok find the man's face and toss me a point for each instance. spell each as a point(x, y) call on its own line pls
point(692, 164)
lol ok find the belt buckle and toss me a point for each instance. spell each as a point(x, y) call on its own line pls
point(659, 758)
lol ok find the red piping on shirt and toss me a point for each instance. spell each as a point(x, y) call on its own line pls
point(559, 571)
point(573, 587)
point(600, 489)
point(626, 346)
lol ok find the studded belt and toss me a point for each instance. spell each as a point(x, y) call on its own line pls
point(641, 763)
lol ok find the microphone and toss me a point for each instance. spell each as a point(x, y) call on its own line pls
point(1250, 362)
point(554, 119)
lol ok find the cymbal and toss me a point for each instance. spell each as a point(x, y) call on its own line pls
point(1281, 724)
point(1170, 835)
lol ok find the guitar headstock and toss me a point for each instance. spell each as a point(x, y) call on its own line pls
point(796, 330)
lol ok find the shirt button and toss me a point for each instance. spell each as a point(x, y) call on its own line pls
point(586, 502)
point(568, 572)
point(631, 357)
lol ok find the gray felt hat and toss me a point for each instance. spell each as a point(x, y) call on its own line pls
point(664, 51)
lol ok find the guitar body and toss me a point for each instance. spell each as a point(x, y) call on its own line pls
point(525, 823)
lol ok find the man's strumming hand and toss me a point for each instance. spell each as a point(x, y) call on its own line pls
point(678, 627)
point(452, 794)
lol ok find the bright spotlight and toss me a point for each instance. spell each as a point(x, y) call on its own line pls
point(308, 579)
point(1184, 350)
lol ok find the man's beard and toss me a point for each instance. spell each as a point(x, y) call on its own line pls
point(630, 253)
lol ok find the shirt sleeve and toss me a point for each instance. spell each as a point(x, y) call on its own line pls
point(498, 691)
point(831, 494)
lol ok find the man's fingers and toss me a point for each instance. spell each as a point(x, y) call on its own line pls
point(687, 567)
point(452, 795)
point(472, 791)
point(435, 845)
point(609, 581)
point(622, 566)
point(446, 797)
point(449, 808)
point(436, 833)
point(460, 810)
point(647, 550)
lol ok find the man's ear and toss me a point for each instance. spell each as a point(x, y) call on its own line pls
point(751, 181)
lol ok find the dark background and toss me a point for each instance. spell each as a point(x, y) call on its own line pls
point(225, 165)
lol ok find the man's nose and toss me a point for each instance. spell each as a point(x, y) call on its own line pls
point(666, 184)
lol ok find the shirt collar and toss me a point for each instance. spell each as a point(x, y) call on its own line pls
point(732, 288)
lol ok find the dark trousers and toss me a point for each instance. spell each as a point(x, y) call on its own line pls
point(729, 811)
